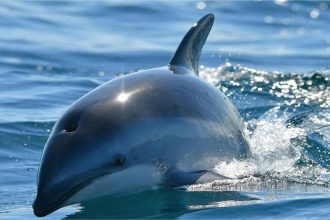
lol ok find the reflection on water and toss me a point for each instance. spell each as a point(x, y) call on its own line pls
point(160, 203)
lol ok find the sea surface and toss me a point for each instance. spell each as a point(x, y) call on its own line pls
point(271, 58)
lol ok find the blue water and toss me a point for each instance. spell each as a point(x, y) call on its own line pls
point(272, 59)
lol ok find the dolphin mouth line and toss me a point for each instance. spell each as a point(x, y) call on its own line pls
point(47, 209)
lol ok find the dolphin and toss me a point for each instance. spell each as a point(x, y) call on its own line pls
point(162, 127)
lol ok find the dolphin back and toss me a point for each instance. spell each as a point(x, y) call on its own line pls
point(188, 53)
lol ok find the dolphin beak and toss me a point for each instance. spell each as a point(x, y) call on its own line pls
point(50, 199)
point(43, 206)
point(59, 178)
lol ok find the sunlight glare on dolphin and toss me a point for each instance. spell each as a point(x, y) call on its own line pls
point(122, 97)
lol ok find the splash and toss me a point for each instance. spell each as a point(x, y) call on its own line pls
point(290, 142)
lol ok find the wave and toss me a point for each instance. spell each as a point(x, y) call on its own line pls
point(288, 133)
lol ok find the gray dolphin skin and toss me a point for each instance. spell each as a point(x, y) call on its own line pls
point(162, 127)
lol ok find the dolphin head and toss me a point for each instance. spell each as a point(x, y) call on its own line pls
point(93, 145)
point(78, 151)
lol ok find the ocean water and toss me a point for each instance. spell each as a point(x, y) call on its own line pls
point(271, 58)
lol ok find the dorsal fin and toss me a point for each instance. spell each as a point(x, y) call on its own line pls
point(188, 53)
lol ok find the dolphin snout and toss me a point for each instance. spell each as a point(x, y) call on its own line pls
point(49, 199)
point(44, 205)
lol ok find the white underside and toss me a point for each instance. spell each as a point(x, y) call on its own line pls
point(133, 179)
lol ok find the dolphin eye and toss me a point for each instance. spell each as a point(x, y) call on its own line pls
point(120, 160)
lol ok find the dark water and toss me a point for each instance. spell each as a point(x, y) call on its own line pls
point(271, 58)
